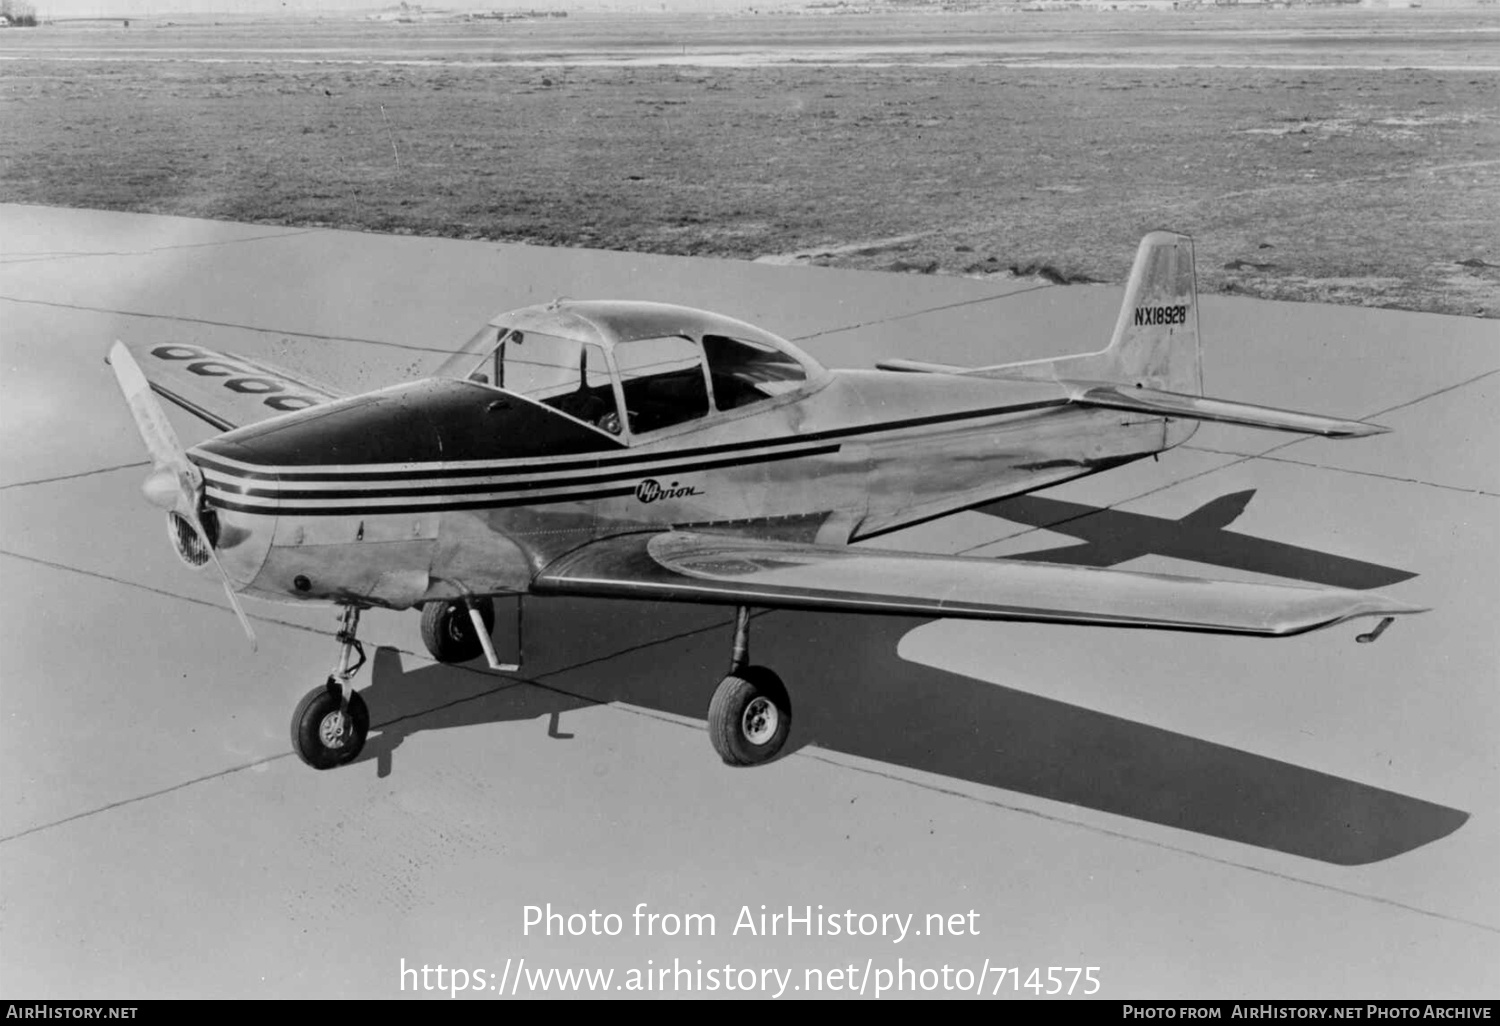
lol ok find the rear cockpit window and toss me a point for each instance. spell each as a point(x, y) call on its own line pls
point(748, 372)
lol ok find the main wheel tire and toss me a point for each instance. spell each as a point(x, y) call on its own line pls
point(749, 717)
point(448, 632)
point(322, 735)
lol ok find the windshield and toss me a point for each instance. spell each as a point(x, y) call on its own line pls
point(571, 377)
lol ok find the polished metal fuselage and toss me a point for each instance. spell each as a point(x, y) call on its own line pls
point(855, 455)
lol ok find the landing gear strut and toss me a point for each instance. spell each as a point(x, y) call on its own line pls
point(750, 715)
point(330, 723)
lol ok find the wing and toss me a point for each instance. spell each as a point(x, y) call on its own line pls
point(226, 390)
point(731, 570)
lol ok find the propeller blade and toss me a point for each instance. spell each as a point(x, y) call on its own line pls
point(151, 421)
point(234, 601)
point(172, 467)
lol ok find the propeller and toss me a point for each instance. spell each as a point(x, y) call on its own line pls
point(175, 482)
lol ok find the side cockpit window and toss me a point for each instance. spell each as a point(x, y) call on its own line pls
point(662, 379)
point(748, 372)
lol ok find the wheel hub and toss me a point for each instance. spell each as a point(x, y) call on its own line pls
point(334, 730)
point(458, 627)
point(760, 720)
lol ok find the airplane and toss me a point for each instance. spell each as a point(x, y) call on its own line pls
point(640, 450)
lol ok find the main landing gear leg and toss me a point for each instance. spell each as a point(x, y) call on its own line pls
point(330, 723)
point(750, 715)
point(453, 633)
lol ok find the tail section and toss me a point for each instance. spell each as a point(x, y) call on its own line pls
point(1155, 344)
point(1153, 363)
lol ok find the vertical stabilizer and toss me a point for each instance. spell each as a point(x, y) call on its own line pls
point(1155, 343)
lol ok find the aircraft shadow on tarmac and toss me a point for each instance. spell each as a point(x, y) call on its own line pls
point(853, 693)
point(1112, 536)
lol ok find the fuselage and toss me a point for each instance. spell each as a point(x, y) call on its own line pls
point(442, 488)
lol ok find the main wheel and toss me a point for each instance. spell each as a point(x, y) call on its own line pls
point(323, 736)
point(749, 717)
point(448, 632)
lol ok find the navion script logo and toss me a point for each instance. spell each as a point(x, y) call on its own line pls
point(652, 490)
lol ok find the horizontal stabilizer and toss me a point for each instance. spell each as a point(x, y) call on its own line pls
point(690, 567)
point(1195, 407)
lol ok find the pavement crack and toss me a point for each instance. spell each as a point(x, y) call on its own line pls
point(71, 477)
point(141, 797)
point(32, 258)
point(1346, 470)
point(227, 324)
point(1436, 392)
point(916, 313)
point(100, 575)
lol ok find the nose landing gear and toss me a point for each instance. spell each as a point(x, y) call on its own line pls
point(329, 725)
point(750, 715)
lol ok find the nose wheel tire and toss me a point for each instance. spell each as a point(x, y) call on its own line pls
point(448, 632)
point(749, 717)
point(323, 734)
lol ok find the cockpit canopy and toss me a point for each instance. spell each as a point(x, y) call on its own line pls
point(630, 369)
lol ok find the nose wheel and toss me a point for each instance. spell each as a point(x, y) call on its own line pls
point(325, 733)
point(329, 725)
point(750, 715)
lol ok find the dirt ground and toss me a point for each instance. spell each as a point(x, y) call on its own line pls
point(1348, 159)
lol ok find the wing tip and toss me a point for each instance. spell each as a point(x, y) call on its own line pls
point(1336, 606)
point(1360, 429)
point(1385, 606)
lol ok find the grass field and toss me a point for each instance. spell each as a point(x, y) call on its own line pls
point(1312, 168)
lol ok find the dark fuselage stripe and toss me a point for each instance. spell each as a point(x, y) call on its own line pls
point(447, 487)
point(367, 510)
point(607, 462)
